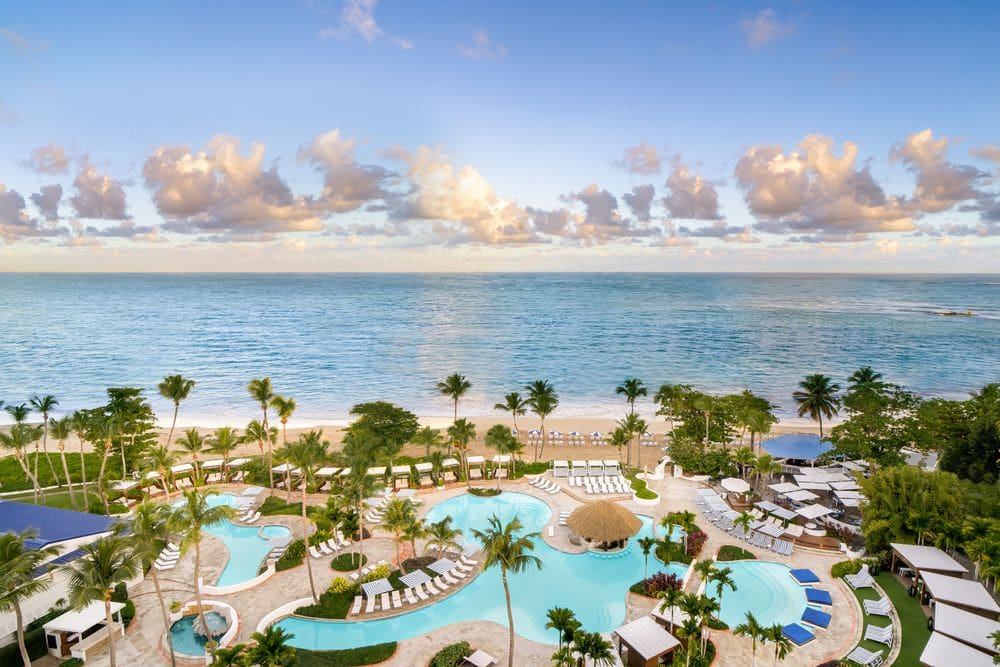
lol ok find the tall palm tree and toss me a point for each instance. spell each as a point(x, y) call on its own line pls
point(671, 599)
point(175, 388)
point(543, 400)
point(620, 437)
point(80, 420)
point(505, 549)
point(765, 467)
point(19, 413)
point(722, 578)
point(635, 426)
point(743, 457)
point(272, 648)
point(18, 438)
point(399, 513)
point(44, 405)
point(414, 529)
point(193, 443)
point(428, 437)
point(224, 442)
point(669, 397)
point(462, 432)
point(454, 387)
point(515, 404)
point(864, 377)
point(149, 530)
point(261, 391)
point(285, 407)
point(500, 439)
point(107, 427)
point(744, 521)
point(646, 544)
point(442, 536)
point(307, 454)
point(706, 404)
point(753, 630)
point(188, 521)
point(93, 577)
point(18, 563)
point(631, 389)
point(817, 397)
point(358, 486)
point(160, 459)
point(782, 645)
point(255, 432)
point(61, 430)
point(563, 621)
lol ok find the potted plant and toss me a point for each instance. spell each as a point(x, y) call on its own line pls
point(175, 611)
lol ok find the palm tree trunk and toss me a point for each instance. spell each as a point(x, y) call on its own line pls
point(305, 536)
point(510, 618)
point(638, 452)
point(83, 475)
point(197, 586)
point(45, 449)
point(361, 540)
point(69, 482)
point(100, 477)
point(541, 453)
point(35, 486)
point(456, 410)
point(20, 635)
point(111, 629)
point(170, 435)
point(163, 611)
point(821, 426)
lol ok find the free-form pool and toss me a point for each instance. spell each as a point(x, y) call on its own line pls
point(764, 588)
point(593, 586)
point(184, 639)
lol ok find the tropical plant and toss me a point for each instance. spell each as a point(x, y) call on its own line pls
point(160, 459)
point(44, 405)
point(669, 397)
point(744, 521)
point(864, 377)
point(307, 454)
point(646, 544)
point(592, 645)
point(149, 531)
point(563, 621)
point(515, 404)
point(817, 397)
point(462, 432)
point(635, 426)
point(61, 429)
point(543, 400)
point(175, 388)
point(753, 630)
point(257, 432)
point(223, 442)
point(260, 390)
point(80, 424)
point(499, 438)
point(358, 485)
point(415, 528)
point(18, 438)
point(631, 389)
point(233, 656)
point(18, 563)
point(272, 648)
point(671, 598)
point(454, 387)
point(193, 443)
point(386, 427)
point(93, 577)
point(764, 467)
point(620, 437)
point(782, 645)
point(722, 578)
point(428, 437)
point(441, 536)
point(743, 457)
point(504, 548)
point(399, 513)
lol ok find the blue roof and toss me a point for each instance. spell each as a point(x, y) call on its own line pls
point(68, 557)
point(803, 446)
point(53, 525)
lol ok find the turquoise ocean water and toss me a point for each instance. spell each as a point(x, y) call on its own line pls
point(332, 340)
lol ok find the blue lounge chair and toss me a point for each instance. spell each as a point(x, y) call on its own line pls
point(804, 577)
point(814, 616)
point(797, 634)
point(818, 596)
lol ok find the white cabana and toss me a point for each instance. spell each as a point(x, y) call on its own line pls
point(449, 463)
point(124, 485)
point(850, 502)
point(647, 638)
point(926, 558)
point(611, 468)
point(943, 651)
point(814, 486)
point(476, 460)
point(735, 485)
point(181, 468)
point(214, 464)
point(327, 471)
point(595, 467)
point(845, 486)
point(500, 459)
point(345, 472)
point(400, 471)
point(238, 463)
point(64, 630)
point(800, 496)
point(424, 468)
point(579, 468)
point(963, 593)
point(965, 626)
point(784, 487)
point(813, 511)
point(152, 474)
point(376, 471)
point(283, 468)
point(560, 468)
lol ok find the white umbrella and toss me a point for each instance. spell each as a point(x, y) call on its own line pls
point(735, 485)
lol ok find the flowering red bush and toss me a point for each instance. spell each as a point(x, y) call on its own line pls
point(696, 541)
point(660, 582)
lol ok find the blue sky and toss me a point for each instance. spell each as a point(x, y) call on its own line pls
point(471, 136)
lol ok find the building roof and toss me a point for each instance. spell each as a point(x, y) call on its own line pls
point(647, 637)
point(78, 621)
point(801, 446)
point(927, 558)
point(942, 651)
point(53, 525)
point(965, 626)
point(962, 592)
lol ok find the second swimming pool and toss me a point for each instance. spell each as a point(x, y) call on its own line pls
point(763, 588)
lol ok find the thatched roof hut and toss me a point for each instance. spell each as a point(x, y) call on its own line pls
point(604, 521)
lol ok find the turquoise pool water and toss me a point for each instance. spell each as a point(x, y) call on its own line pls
point(764, 588)
point(247, 545)
point(184, 639)
point(593, 586)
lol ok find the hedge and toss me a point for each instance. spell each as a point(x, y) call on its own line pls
point(352, 657)
point(845, 567)
point(642, 491)
point(293, 556)
point(274, 505)
point(331, 605)
point(733, 552)
point(348, 562)
point(484, 492)
point(452, 655)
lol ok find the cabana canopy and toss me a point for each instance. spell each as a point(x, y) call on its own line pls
point(237, 463)
point(959, 592)
point(424, 467)
point(449, 463)
point(400, 471)
point(84, 619)
point(124, 485)
point(212, 465)
point(611, 463)
point(283, 468)
point(604, 521)
point(181, 467)
point(735, 485)
point(501, 458)
point(813, 511)
point(801, 446)
point(475, 460)
point(647, 638)
point(927, 558)
point(943, 651)
point(560, 464)
point(376, 471)
point(326, 471)
point(801, 495)
point(965, 626)
point(784, 487)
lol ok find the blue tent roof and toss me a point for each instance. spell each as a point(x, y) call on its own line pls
point(53, 525)
point(803, 446)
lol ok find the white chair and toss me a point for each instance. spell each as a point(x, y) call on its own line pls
point(408, 593)
point(370, 607)
point(314, 552)
point(397, 602)
point(357, 605)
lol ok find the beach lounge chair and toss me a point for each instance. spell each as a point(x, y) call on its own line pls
point(880, 635)
point(370, 607)
point(431, 590)
point(797, 634)
point(450, 579)
point(408, 594)
point(314, 552)
point(458, 572)
point(816, 618)
point(356, 609)
point(863, 579)
point(803, 577)
point(880, 607)
point(480, 659)
point(818, 596)
point(468, 561)
point(325, 550)
point(384, 603)
point(865, 658)
point(397, 602)
point(419, 590)
point(332, 545)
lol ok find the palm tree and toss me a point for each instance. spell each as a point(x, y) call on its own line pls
point(620, 437)
point(161, 460)
point(817, 398)
point(189, 521)
point(592, 645)
point(563, 657)
point(752, 629)
point(79, 421)
point(646, 544)
point(704, 568)
point(428, 437)
point(358, 486)
point(743, 457)
point(563, 621)
point(631, 388)
point(284, 407)
point(635, 426)
point(864, 377)
point(543, 400)
point(223, 442)
point(462, 432)
point(149, 530)
point(399, 513)
point(515, 404)
point(272, 648)
point(782, 645)
point(255, 432)
point(413, 530)
point(261, 391)
point(18, 563)
point(671, 598)
point(668, 397)
point(93, 577)
point(61, 429)
point(442, 536)
point(505, 549)
point(764, 468)
point(706, 404)
point(307, 454)
point(744, 521)
point(106, 426)
point(685, 519)
point(689, 631)
point(176, 388)
point(759, 423)
point(454, 386)
point(193, 443)
point(44, 405)
point(722, 578)
point(503, 441)
point(230, 657)
point(18, 438)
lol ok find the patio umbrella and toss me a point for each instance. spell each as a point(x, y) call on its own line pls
point(604, 521)
point(735, 485)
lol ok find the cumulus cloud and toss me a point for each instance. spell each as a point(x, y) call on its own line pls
point(812, 190)
point(642, 160)
point(49, 159)
point(691, 197)
point(639, 201)
point(765, 28)
point(125, 229)
point(220, 190)
point(47, 199)
point(347, 184)
point(553, 223)
point(940, 183)
point(602, 221)
point(98, 196)
point(357, 19)
point(720, 230)
point(16, 224)
point(482, 48)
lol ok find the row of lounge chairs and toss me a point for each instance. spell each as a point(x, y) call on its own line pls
point(415, 594)
point(330, 547)
point(602, 485)
point(753, 537)
point(168, 558)
point(563, 516)
point(545, 485)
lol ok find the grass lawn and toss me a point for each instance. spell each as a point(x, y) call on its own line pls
point(274, 505)
point(911, 618)
point(13, 479)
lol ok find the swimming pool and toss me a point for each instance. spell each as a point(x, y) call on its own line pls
point(594, 586)
point(764, 588)
point(247, 545)
point(183, 637)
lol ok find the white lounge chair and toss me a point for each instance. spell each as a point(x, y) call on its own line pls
point(314, 552)
point(441, 584)
point(332, 545)
point(384, 603)
point(419, 590)
point(450, 579)
point(469, 561)
point(408, 593)
point(325, 550)
point(358, 600)
point(880, 607)
point(370, 607)
point(865, 658)
point(431, 589)
point(880, 635)
point(396, 601)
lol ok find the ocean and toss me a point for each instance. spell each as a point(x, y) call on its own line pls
point(332, 340)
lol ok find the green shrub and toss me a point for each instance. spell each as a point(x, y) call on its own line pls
point(733, 552)
point(352, 657)
point(255, 472)
point(845, 567)
point(128, 613)
point(452, 655)
point(293, 556)
point(347, 562)
point(274, 505)
point(319, 536)
point(378, 572)
point(342, 585)
point(34, 640)
point(330, 605)
point(71, 662)
point(484, 492)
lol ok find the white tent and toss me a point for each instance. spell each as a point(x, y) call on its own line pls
point(376, 471)
point(814, 486)
point(238, 463)
point(959, 592)
point(923, 557)
point(181, 468)
point(813, 511)
point(400, 471)
point(943, 651)
point(595, 467)
point(965, 626)
point(579, 468)
point(327, 471)
point(611, 468)
point(501, 459)
point(211, 465)
point(801, 495)
point(124, 485)
point(449, 463)
point(283, 468)
point(784, 487)
point(735, 485)
point(560, 468)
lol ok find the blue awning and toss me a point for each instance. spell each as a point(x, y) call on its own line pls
point(802, 446)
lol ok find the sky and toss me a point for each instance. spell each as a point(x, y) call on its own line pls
point(472, 136)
